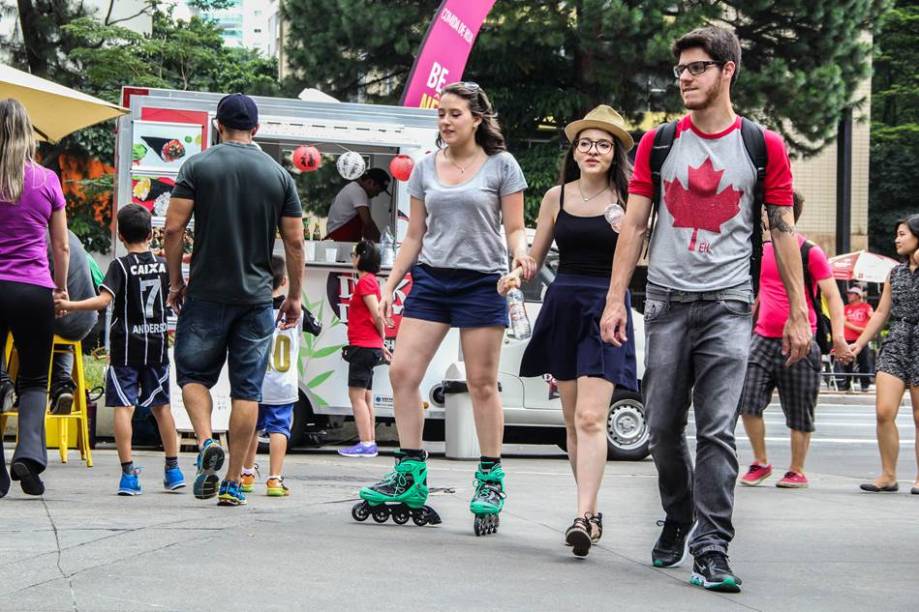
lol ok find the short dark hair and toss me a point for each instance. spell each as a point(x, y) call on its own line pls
point(797, 206)
point(378, 176)
point(278, 272)
point(368, 256)
point(134, 223)
point(720, 44)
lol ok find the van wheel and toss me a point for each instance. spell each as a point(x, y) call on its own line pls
point(626, 428)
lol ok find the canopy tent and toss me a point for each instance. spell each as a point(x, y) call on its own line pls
point(56, 111)
point(862, 266)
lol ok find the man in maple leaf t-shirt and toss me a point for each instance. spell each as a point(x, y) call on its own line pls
point(699, 297)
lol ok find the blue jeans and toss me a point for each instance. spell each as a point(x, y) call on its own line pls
point(211, 333)
point(696, 353)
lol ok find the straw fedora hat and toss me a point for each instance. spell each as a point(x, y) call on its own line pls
point(603, 118)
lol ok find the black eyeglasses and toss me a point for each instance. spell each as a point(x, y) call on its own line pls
point(695, 68)
point(584, 145)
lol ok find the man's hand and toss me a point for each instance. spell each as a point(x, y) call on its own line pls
point(796, 339)
point(176, 298)
point(290, 312)
point(614, 322)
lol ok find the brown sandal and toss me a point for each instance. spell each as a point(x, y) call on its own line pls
point(578, 536)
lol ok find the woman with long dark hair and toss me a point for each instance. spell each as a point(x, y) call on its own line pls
point(461, 196)
point(579, 215)
point(898, 360)
point(31, 203)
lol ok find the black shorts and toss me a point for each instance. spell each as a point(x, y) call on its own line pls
point(361, 362)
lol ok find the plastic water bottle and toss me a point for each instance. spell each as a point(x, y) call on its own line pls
point(520, 322)
point(614, 214)
point(387, 248)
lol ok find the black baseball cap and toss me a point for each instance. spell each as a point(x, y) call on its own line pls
point(380, 176)
point(238, 112)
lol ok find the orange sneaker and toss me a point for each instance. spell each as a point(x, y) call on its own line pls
point(276, 487)
point(247, 481)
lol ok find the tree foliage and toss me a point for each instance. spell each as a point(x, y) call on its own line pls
point(895, 125)
point(547, 63)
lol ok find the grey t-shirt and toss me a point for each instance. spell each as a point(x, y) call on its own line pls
point(240, 195)
point(76, 325)
point(464, 229)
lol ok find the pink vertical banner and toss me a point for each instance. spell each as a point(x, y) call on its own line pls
point(444, 50)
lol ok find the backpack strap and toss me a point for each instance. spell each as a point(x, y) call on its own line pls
point(808, 281)
point(754, 140)
point(663, 142)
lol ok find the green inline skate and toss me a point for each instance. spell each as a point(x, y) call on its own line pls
point(401, 494)
point(488, 499)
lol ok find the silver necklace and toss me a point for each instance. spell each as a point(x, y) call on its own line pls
point(462, 169)
point(585, 198)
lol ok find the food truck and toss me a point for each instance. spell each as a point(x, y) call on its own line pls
point(165, 127)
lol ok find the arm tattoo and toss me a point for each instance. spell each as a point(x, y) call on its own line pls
point(776, 222)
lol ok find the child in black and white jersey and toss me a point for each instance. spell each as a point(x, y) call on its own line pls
point(138, 373)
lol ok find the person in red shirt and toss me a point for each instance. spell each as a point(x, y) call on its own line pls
point(365, 348)
point(858, 313)
point(767, 370)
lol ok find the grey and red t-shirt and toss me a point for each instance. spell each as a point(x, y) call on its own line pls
point(702, 239)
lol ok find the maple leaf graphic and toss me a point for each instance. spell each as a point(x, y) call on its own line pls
point(700, 207)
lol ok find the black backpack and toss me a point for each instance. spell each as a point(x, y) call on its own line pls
point(754, 141)
point(823, 335)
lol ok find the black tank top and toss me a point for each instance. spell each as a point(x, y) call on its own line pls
point(585, 244)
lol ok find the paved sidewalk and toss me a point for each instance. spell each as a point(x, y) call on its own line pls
point(83, 548)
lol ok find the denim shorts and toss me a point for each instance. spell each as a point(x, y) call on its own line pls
point(210, 333)
point(459, 298)
point(275, 419)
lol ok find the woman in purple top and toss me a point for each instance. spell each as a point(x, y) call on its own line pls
point(31, 203)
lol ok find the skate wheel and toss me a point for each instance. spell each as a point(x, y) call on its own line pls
point(485, 524)
point(419, 519)
point(380, 514)
point(360, 511)
point(400, 516)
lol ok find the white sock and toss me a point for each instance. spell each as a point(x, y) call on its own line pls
point(249, 471)
point(367, 444)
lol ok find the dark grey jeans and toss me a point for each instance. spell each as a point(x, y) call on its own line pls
point(696, 353)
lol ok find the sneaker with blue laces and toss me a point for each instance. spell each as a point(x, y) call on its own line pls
point(173, 479)
point(130, 483)
point(210, 459)
point(359, 450)
point(231, 494)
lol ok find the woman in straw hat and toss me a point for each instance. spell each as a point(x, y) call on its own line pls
point(579, 215)
point(31, 202)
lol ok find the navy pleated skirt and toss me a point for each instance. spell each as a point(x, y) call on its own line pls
point(566, 340)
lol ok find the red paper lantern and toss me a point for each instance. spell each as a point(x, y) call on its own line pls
point(306, 159)
point(401, 167)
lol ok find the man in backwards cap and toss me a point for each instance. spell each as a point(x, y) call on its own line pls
point(239, 198)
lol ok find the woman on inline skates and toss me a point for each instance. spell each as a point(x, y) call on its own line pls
point(460, 197)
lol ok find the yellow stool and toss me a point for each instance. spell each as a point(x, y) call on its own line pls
point(60, 424)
